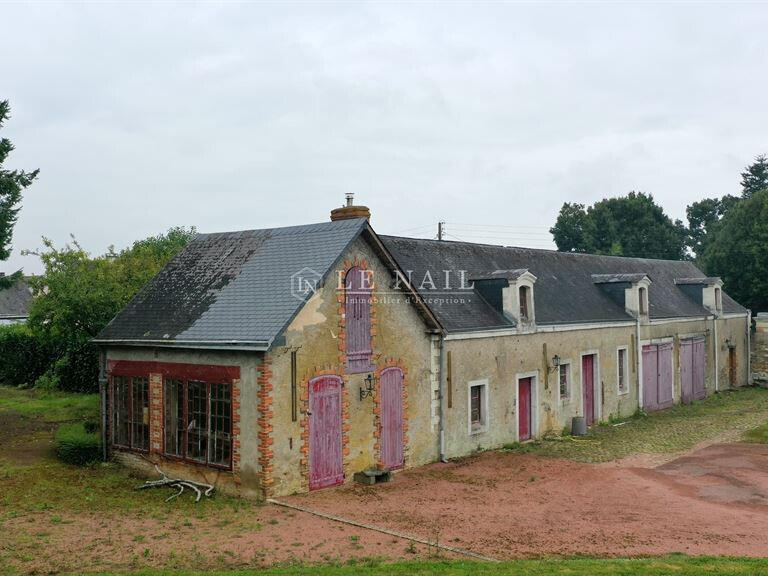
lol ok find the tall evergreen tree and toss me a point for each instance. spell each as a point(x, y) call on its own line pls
point(12, 182)
point(755, 177)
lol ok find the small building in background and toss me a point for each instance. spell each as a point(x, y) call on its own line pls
point(15, 302)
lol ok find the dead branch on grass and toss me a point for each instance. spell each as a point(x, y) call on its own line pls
point(200, 489)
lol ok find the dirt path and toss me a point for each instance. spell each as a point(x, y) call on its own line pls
point(505, 505)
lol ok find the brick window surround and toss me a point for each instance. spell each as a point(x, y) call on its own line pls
point(157, 373)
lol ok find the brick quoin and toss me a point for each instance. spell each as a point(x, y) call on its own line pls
point(266, 414)
point(156, 424)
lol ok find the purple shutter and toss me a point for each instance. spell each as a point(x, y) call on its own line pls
point(358, 320)
point(686, 371)
point(699, 369)
point(326, 465)
point(650, 378)
point(391, 435)
point(666, 375)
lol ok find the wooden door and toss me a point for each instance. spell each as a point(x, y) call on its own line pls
point(325, 451)
point(686, 371)
point(650, 378)
point(732, 367)
point(391, 433)
point(666, 380)
point(699, 369)
point(588, 386)
point(524, 423)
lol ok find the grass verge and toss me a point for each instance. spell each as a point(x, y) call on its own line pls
point(665, 565)
point(50, 406)
point(673, 430)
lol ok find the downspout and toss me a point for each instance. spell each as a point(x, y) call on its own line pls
point(638, 364)
point(717, 354)
point(103, 402)
point(749, 347)
point(441, 394)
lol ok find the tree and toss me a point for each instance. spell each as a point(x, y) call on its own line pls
point(738, 251)
point(12, 182)
point(755, 177)
point(631, 225)
point(78, 295)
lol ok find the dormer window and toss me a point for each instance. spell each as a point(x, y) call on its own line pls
point(510, 292)
point(705, 291)
point(643, 301)
point(629, 290)
point(523, 297)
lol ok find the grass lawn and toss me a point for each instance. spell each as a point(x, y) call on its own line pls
point(44, 502)
point(663, 566)
point(50, 406)
point(740, 413)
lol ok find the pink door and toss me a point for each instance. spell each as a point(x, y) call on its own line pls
point(524, 403)
point(391, 433)
point(325, 458)
point(686, 371)
point(666, 374)
point(650, 378)
point(699, 369)
point(588, 385)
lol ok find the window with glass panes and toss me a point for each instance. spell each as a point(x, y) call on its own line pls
point(198, 421)
point(130, 412)
point(565, 380)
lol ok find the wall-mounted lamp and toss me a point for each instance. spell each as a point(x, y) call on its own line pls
point(555, 363)
point(368, 390)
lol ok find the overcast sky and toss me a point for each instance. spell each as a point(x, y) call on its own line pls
point(236, 116)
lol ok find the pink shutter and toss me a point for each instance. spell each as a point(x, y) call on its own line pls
point(358, 321)
point(699, 369)
point(686, 371)
point(650, 378)
point(391, 436)
point(666, 375)
point(326, 464)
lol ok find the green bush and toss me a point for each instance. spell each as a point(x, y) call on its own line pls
point(76, 446)
point(78, 370)
point(23, 358)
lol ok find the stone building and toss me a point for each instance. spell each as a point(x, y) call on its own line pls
point(277, 361)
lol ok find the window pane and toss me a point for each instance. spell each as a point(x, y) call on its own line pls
point(475, 408)
point(197, 414)
point(122, 411)
point(140, 413)
point(622, 368)
point(174, 417)
point(220, 436)
point(563, 380)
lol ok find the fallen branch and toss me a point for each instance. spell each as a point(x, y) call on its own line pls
point(198, 488)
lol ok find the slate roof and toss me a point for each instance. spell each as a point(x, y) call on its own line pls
point(230, 289)
point(564, 291)
point(15, 301)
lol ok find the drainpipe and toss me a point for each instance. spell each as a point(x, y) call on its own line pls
point(749, 346)
point(103, 402)
point(717, 354)
point(638, 364)
point(441, 393)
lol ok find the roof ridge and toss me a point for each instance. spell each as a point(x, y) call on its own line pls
point(324, 224)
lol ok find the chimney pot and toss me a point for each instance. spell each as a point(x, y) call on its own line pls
point(350, 211)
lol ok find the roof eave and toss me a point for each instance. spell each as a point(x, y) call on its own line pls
point(232, 345)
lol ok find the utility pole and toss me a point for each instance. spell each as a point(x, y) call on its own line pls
point(440, 230)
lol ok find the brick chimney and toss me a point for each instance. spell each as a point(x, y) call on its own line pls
point(350, 211)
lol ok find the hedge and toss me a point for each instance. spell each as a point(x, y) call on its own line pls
point(76, 446)
point(23, 359)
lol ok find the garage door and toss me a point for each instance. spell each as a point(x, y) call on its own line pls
point(658, 376)
point(692, 369)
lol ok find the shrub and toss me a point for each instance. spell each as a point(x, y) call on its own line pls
point(23, 357)
point(76, 446)
point(78, 370)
